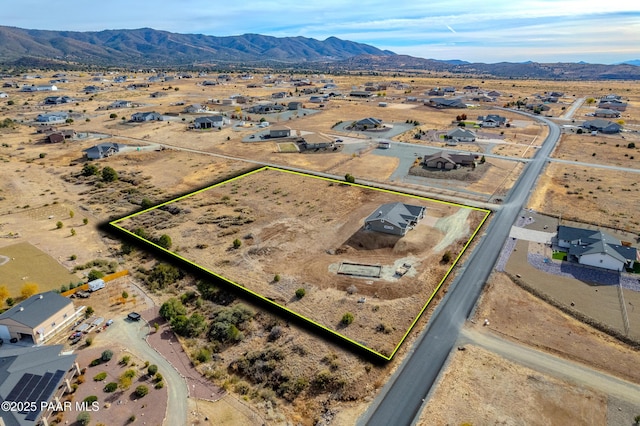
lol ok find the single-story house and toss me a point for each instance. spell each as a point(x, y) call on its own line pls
point(266, 108)
point(446, 103)
point(494, 93)
point(102, 150)
point(52, 117)
point(196, 109)
point(360, 94)
point(556, 94)
point(394, 218)
point(461, 135)
point(435, 92)
point(40, 88)
point(41, 375)
point(279, 132)
point(368, 123)
point(295, 105)
point(315, 141)
point(606, 113)
point(55, 138)
point(146, 116)
point(492, 120)
point(449, 161)
point(57, 100)
point(595, 248)
point(604, 126)
point(538, 106)
point(38, 318)
point(120, 104)
point(613, 104)
point(279, 95)
point(91, 89)
point(317, 99)
point(210, 122)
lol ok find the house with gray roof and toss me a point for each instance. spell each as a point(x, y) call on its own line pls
point(360, 94)
point(492, 120)
point(606, 113)
point(38, 375)
point(603, 126)
point(102, 150)
point(446, 103)
point(394, 218)
point(36, 319)
point(460, 134)
point(595, 248)
point(52, 117)
point(141, 117)
point(210, 122)
point(615, 104)
point(449, 161)
point(368, 123)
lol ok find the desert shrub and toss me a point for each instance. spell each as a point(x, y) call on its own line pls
point(349, 178)
point(88, 341)
point(84, 418)
point(300, 293)
point(276, 278)
point(141, 391)
point(124, 360)
point(95, 274)
point(237, 243)
point(159, 385)
point(163, 275)
point(347, 318)
point(129, 373)
point(59, 225)
point(446, 257)
point(165, 241)
point(109, 174)
point(152, 369)
point(100, 377)
point(110, 387)
point(90, 399)
point(106, 355)
point(227, 323)
point(275, 333)
point(157, 378)
point(203, 355)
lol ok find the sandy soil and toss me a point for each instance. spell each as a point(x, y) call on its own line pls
point(481, 388)
point(268, 213)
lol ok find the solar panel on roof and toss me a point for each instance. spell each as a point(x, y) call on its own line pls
point(19, 387)
point(37, 390)
point(48, 391)
point(28, 387)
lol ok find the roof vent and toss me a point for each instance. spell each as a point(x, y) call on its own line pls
point(21, 308)
point(40, 297)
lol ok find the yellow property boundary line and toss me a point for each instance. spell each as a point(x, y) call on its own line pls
point(269, 302)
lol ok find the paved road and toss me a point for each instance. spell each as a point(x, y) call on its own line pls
point(131, 335)
point(401, 400)
point(568, 115)
point(557, 367)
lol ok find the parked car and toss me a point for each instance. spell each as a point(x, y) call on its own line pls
point(134, 316)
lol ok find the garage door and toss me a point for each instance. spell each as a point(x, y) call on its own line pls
point(4, 333)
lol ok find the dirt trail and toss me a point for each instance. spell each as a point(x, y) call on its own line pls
point(555, 366)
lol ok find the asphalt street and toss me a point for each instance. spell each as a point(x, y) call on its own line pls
point(401, 400)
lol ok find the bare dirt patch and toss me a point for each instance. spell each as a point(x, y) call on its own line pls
point(606, 197)
point(518, 315)
point(482, 388)
point(286, 241)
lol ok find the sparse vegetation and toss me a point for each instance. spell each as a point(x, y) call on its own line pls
point(347, 318)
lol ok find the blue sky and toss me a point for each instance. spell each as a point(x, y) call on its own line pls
point(475, 31)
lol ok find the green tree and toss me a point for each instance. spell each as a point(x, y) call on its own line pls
point(349, 178)
point(237, 243)
point(172, 308)
point(88, 312)
point(71, 214)
point(85, 221)
point(162, 275)
point(590, 101)
point(95, 274)
point(300, 293)
point(152, 370)
point(110, 387)
point(106, 355)
point(109, 174)
point(59, 225)
point(113, 115)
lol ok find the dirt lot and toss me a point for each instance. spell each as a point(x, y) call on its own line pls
point(605, 197)
point(481, 388)
point(275, 224)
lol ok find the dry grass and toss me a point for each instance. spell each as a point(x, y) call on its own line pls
point(605, 197)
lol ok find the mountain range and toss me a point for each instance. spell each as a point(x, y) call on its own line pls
point(147, 47)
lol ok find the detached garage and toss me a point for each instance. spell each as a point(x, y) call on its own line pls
point(36, 319)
